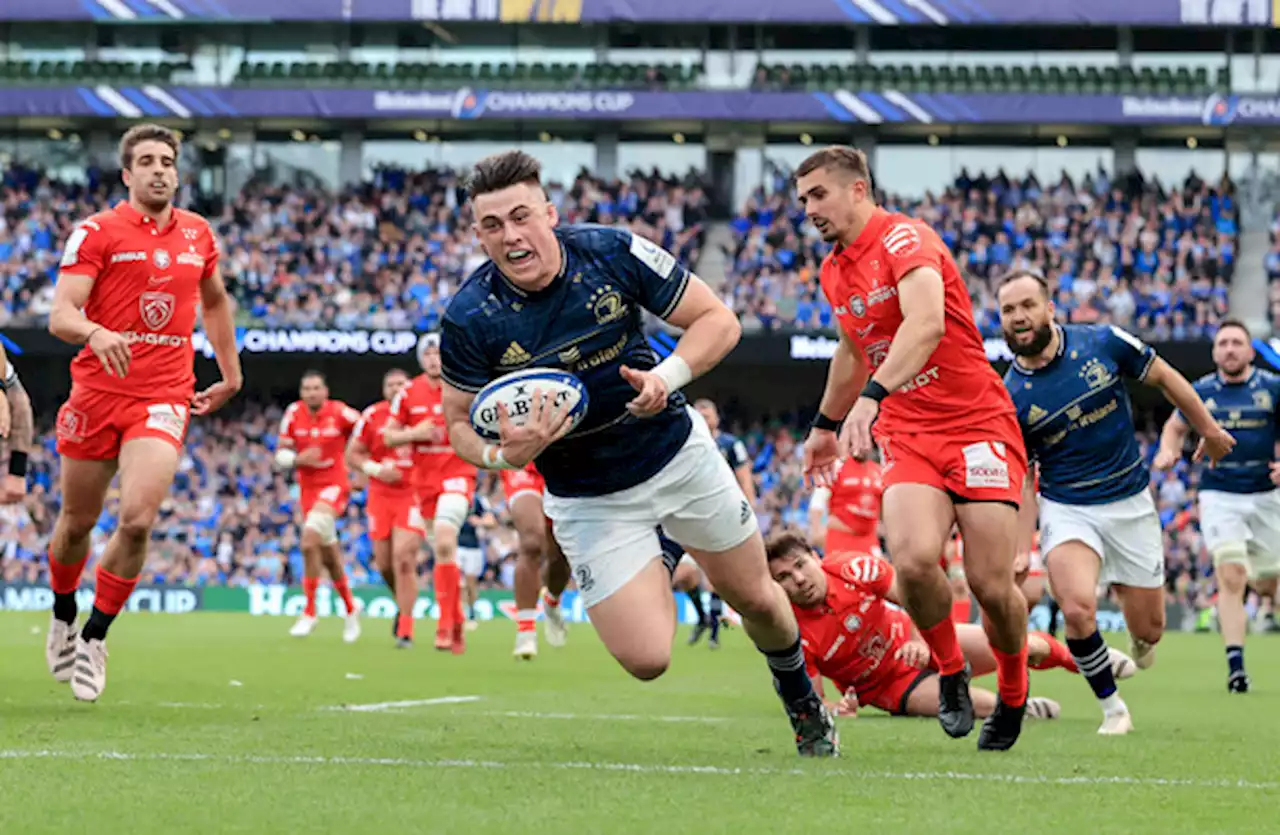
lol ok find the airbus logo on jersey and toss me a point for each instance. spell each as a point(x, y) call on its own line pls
point(156, 308)
point(902, 240)
point(161, 259)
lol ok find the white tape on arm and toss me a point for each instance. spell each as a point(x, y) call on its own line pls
point(675, 372)
point(371, 468)
point(492, 459)
point(285, 458)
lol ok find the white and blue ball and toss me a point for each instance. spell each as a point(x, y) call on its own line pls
point(516, 391)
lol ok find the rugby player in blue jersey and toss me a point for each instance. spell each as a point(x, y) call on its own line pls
point(1098, 519)
point(572, 297)
point(1239, 503)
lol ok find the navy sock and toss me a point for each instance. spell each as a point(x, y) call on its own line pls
point(717, 609)
point(695, 598)
point(95, 628)
point(790, 678)
point(1094, 662)
point(1235, 659)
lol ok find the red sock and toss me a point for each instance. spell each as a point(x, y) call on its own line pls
point(1011, 676)
point(309, 585)
point(446, 576)
point(526, 620)
point(550, 599)
point(1059, 656)
point(112, 592)
point(344, 591)
point(961, 610)
point(945, 645)
point(65, 579)
point(404, 626)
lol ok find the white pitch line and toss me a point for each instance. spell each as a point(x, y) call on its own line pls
point(378, 707)
point(643, 768)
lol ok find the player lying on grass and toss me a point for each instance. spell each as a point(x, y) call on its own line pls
point(855, 633)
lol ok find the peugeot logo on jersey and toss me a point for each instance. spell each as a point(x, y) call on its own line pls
point(161, 259)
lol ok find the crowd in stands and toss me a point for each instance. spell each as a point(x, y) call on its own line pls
point(1155, 260)
point(389, 253)
point(232, 518)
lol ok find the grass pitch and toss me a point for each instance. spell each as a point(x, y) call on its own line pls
point(220, 723)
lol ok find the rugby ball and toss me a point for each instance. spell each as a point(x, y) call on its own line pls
point(516, 391)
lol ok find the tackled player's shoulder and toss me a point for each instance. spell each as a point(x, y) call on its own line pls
point(593, 237)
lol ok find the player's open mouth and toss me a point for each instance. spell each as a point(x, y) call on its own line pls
point(519, 256)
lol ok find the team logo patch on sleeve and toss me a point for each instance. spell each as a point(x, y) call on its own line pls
point(902, 240)
point(652, 256)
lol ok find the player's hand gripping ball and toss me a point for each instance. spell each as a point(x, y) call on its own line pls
point(516, 390)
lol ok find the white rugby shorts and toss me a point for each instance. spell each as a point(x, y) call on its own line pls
point(1251, 520)
point(1125, 534)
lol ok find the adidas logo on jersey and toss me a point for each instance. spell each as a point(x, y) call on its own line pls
point(1036, 414)
point(514, 355)
point(903, 239)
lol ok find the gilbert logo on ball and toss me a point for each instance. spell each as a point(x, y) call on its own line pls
point(516, 391)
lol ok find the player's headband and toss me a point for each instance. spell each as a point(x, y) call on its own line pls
point(428, 340)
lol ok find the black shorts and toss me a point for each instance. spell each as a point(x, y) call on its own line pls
point(911, 688)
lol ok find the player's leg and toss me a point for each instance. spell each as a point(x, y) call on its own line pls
point(147, 466)
point(332, 558)
point(317, 521)
point(406, 546)
point(84, 485)
point(1043, 651)
point(715, 615)
point(555, 579)
point(1073, 559)
point(531, 542)
point(688, 579)
point(450, 514)
point(1134, 543)
point(918, 519)
point(471, 567)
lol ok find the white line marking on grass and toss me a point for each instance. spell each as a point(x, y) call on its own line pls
point(378, 707)
point(642, 768)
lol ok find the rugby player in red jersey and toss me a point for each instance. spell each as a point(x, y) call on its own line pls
point(911, 361)
point(443, 484)
point(395, 525)
point(129, 285)
point(855, 635)
point(523, 492)
point(313, 440)
point(845, 517)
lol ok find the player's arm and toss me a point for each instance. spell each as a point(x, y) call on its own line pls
point(218, 312)
point(286, 448)
point(83, 259)
point(18, 430)
point(357, 454)
point(922, 299)
point(1028, 513)
point(1178, 391)
point(1173, 436)
point(397, 436)
point(742, 471)
point(846, 375)
point(469, 446)
point(818, 504)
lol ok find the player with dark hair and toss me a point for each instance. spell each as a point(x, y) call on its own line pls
point(395, 525)
point(572, 298)
point(17, 426)
point(911, 363)
point(1239, 503)
point(312, 441)
point(130, 283)
point(1098, 521)
point(856, 636)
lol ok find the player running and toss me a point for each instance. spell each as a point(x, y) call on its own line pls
point(395, 525)
point(949, 442)
point(471, 561)
point(443, 485)
point(870, 649)
point(17, 423)
point(129, 285)
point(844, 518)
point(1239, 504)
point(572, 298)
point(312, 440)
point(523, 491)
point(1098, 521)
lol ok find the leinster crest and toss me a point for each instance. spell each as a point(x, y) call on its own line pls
point(156, 308)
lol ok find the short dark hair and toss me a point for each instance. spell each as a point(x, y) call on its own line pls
point(312, 372)
point(784, 543)
point(837, 158)
point(1232, 322)
point(395, 372)
point(1014, 275)
point(499, 171)
point(138, 134)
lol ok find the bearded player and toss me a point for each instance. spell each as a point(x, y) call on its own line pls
point(856, 636)
point(523, 491)
point(1098, 521)
point(313, 440)
point(129, 285)
point(443, 485)
point(911, 361)
point(573, 298)
point(1239, 502)
point(395, 525)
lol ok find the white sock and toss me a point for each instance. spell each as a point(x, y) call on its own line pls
point(1113, 704)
